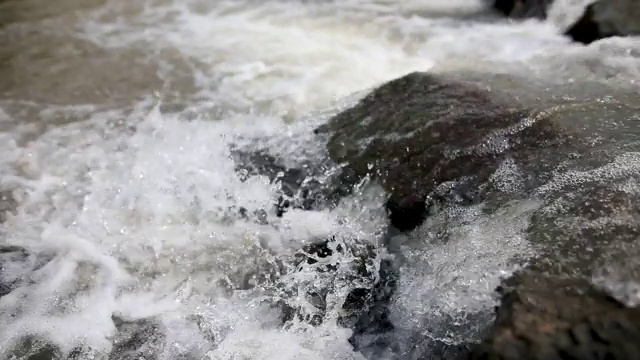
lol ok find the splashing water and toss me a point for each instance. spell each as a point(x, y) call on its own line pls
point(122, 193)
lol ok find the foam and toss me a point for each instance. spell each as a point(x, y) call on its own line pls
point(137, 208)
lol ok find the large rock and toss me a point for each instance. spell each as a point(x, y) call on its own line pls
point(437, 143)
point(430, 140)
point(550, 318)
point(607, 18)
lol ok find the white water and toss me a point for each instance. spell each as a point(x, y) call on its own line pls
point(138, 206)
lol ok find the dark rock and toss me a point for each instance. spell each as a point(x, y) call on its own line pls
point(430, 139)
point(13, 265)
point(438, 143)
point(32, 348)
point(304, 188)
point(523, 8)
point(551, 318)
point(603, 19)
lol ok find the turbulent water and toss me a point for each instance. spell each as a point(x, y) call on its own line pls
point(117, 125)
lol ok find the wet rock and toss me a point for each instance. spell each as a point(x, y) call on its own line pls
point(138, 339)
point(13, 265)
point(431, 140)
point(32, 348)
point(603, 19)
point(523, 8)
point(439, 144)
point(305, 187)
point(551, 318)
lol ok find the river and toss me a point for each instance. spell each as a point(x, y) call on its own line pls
point(117, 124)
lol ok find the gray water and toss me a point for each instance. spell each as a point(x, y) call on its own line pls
point(116, 123)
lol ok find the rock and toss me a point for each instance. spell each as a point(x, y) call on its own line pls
point(608, 18)
point(305, 187)
point(551, 318)
point(13, 266)
point(32, 348)
point(438, 144)
point(523, 8)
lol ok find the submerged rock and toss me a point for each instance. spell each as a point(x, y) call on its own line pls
point(13, 265)
point(323, 270)
point(139, 339)
point(608, 18)
point(32, 348)
point(305, 187)
point(551, 318)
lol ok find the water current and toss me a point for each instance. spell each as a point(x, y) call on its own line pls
point(117, 125)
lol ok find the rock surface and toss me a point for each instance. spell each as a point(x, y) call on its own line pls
point(431, 140)
point(438, 143)
point(608, 18)
point(13, 264)
point(139, 339)
point(550, 318)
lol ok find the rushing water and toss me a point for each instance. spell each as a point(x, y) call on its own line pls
point(117, 121)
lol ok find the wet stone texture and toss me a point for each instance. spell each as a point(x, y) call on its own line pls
point(140, 339)
point(436, 143)
point(552, 318)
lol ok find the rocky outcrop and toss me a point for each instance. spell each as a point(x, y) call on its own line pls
point(607, 18)
point(432, 141)
point(550, 318)
point(523, 8)
point(438, 144)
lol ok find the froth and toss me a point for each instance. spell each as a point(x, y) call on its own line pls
point(453, 264)
point(143, 221)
